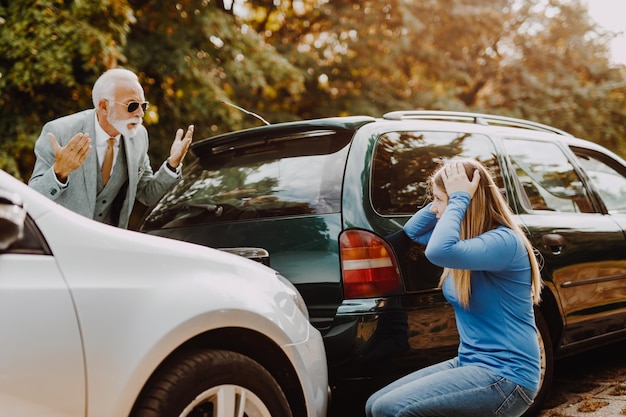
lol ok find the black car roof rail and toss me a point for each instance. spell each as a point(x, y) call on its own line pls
point(478, 118)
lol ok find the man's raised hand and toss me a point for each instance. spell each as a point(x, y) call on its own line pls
point(180, 146)
point(71, 156)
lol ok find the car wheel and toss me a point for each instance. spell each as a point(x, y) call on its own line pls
point(547, 365)
point(214, 383)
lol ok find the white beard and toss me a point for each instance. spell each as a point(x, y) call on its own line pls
point(122, 125)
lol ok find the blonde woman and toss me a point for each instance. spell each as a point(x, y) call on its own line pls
point(492, 280)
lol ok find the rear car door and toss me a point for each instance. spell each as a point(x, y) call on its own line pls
point(402, 157)
point(582, 243)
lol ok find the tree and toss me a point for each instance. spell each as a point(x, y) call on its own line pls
point(52, 53)
point(194, 56)
point(562, 76)
point(349, 51)
point(544, 60)
point(191, 57)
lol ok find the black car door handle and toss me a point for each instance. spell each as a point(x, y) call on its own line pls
point(554, 242)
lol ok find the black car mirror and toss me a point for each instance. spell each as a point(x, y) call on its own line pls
point(12, 217)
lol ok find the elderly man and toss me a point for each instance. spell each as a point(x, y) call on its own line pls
point(103, 183)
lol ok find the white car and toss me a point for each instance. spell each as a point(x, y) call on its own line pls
point(97, 321)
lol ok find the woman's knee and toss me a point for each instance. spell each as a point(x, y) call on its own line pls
point(383, 406)
point(368, 407)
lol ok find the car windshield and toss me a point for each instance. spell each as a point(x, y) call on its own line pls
point(291, 176)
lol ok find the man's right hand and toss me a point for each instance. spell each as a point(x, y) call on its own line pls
point(70, 156)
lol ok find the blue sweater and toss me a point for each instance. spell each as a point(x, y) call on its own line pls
point(498, 330)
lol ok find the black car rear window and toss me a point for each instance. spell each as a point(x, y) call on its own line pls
point(283, 176)
point(403, 162)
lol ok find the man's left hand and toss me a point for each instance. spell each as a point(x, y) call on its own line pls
point(180, 146)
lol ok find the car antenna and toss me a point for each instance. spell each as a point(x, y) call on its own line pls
point(247, 112)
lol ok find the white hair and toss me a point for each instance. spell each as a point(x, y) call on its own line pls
point(105, 85)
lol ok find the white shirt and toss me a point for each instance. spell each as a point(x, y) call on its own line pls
point(101, 144)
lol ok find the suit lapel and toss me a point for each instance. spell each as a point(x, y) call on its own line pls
point(131, 161)
point(90, 166)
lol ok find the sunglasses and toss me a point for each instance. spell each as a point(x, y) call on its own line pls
point(134, 105)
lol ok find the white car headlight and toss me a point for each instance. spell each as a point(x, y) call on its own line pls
point(295, 295)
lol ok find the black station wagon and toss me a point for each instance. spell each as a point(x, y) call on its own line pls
point(327, 198)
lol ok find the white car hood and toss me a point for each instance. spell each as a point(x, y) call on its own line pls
point(66, 232)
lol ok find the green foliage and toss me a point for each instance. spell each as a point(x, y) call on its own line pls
point(544, 60)
point(52, 52)
point(192, 57)
point(563, 77)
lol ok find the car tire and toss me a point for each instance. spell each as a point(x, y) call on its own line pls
point(547, 365)
point(205, 381)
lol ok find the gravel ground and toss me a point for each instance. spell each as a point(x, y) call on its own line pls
point(592, 384)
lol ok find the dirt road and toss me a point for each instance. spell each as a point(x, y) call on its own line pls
point(592, 384)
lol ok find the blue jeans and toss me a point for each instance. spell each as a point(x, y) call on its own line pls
point(449, 390)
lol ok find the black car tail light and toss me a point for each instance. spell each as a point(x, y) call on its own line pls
point(368, 265)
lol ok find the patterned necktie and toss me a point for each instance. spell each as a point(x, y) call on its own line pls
point(107, 164)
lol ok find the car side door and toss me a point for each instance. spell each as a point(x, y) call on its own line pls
point(401, 164)
point(41, 360)
point(582, 245)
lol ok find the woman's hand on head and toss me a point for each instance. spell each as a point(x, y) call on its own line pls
point(455, 179)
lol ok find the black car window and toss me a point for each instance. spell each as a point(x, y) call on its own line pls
point(32, 242)
point(547, 177)
point(403, 162)
point(287, 176)
point(607, 177)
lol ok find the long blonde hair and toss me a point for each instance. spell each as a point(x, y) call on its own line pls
point(487, 210)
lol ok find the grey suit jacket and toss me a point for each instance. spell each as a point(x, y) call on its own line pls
point(80, 193)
